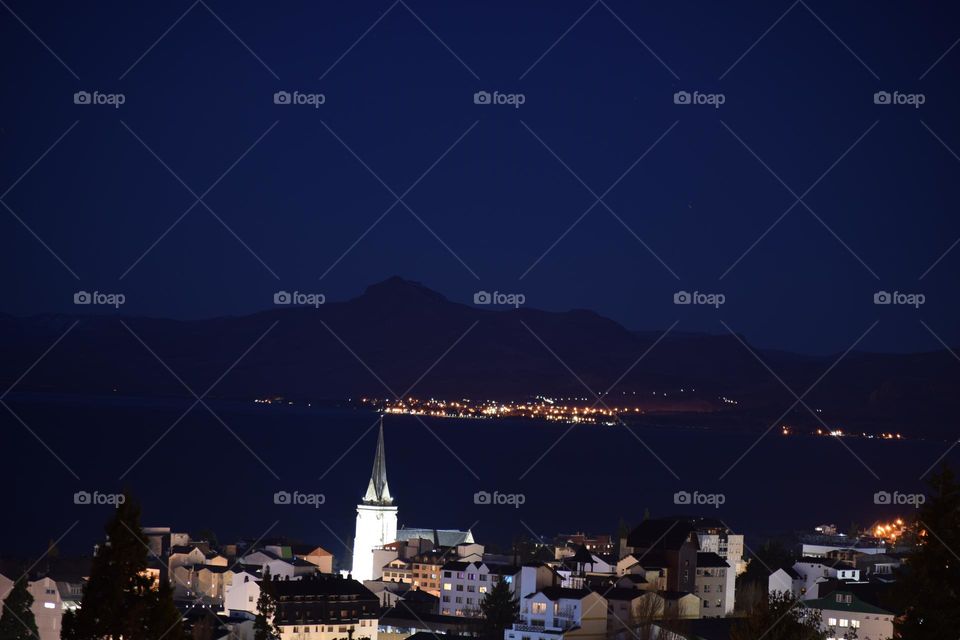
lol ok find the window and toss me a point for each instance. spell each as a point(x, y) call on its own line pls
point(447, 586)
point(831, 622)
point(471, 576)
point(844, 622)
point(446, 574)
point(459, 587)
point(446, 598)
point(483, 578)
point(483, 589)
point(538, 607)
point(855, 624)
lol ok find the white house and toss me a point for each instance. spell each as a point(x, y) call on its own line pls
point(463, 585)
point(842, 612)
point(786, 580)
point(714, 583)
point(241, 594)
point(558, 613)
point(816, 570)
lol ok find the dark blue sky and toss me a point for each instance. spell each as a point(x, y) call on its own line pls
point(200, 92)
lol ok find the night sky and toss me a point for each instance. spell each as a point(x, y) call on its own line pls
point(688, 190)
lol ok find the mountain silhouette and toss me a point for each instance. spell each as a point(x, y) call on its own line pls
point(400, 337)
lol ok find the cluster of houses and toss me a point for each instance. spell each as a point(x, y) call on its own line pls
point(662, 575)
point(844, 580)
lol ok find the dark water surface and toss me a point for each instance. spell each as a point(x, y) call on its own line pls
point(201, 476)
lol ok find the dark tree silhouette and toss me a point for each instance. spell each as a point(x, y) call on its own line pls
point(928, 590)
point(119, 600)
point(499, 608)
point(17, 621)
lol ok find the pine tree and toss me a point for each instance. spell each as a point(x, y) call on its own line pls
point(929, 589)
point(263, 625)
point(17, 621)
point(119, 600)
point(499, 608)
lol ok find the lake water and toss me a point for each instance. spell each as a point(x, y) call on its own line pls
point(589, 477)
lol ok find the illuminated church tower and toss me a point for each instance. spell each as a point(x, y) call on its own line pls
point(376, 517)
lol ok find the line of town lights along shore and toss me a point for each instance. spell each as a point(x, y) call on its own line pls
point(544, 408)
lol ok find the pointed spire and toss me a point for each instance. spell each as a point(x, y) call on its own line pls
point(378, 492)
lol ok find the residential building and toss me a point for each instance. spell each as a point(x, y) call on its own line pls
point(464, 585)
point(787, 580)
point(325, 607)
point(558, 613)
point(715, 584)
point(842, 612)
point(716, 537)
point(671, 542)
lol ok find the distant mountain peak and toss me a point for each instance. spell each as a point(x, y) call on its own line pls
point(397, 288)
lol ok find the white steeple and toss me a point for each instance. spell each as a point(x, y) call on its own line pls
point(376, 518)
